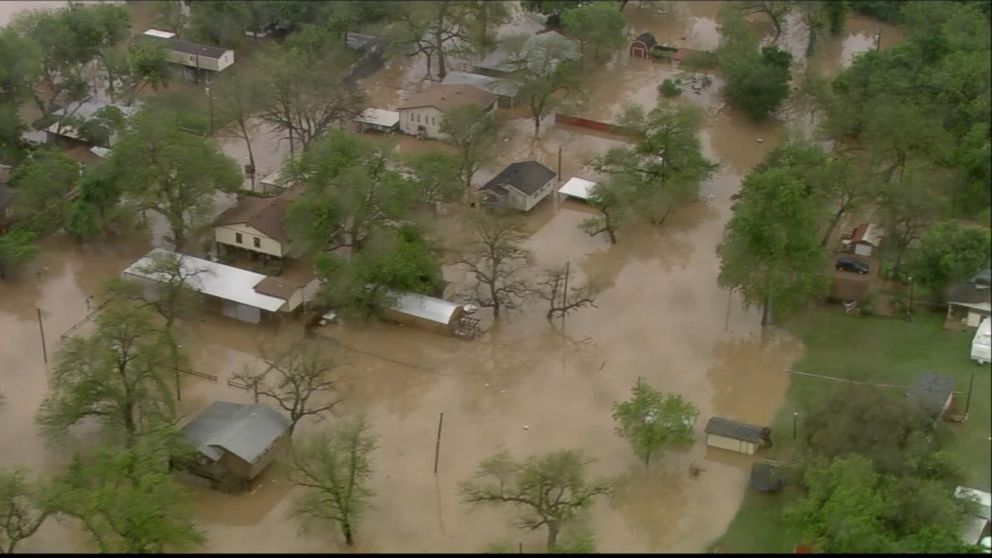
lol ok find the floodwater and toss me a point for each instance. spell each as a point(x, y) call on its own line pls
point(524, 385)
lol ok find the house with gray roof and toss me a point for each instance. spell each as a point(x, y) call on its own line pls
point(519, 186)
point(505, 60)
point(234, 443)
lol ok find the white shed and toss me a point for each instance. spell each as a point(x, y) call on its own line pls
point(578, 188)
point(378, 119)
point(981, 345)
point(736, 436)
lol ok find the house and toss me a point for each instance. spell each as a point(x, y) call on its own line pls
point(863, 240)
point(503, 61)
point(933, 393)
point(100, 117)
point(195, 58)
point(505, 89)
point(379, 120)
point(981, 344)
point(234, 444)
point(736, 436)
point(519, 186)
point(422, 114)
point(975, 529)
point(578, 188)
point(970, 302)
point(256, 225)
point(244, 295)
point(433, 314)
point(641, 47)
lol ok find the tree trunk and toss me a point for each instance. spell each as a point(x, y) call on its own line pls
point(612, 234)
point(552, 535)
point(349, 538)
point(251, 155)
point(830, 228)
point(537, 125)
point(778, 26)
point(439, 45)
point(765, 311)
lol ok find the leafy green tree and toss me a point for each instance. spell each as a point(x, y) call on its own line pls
point(436, 177)
point(950, 252)
point(651, 420)
point(21, 509)
point(172, 172)
point(116, 375)
point(496, 259)
point(235, 103)
point(547, 77)
point(550, 490)
point(12, 148)
point(43, 184)
point(597, 26)
point(575, 541)
point(352, 189)
point(475, 133)
point(482, 19)
point(171, 16)
point(769, 249)
point(756, 80)
point(611, 200)
point(97, 206)
point(17, 247)
point(334, 467)
point(131, 68)
point(127, 502)
point(908, 207)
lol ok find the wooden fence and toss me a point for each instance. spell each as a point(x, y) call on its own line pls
point(595, 125)
point(198, 374)
point(72, 330)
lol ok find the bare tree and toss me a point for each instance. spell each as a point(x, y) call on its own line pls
point(302, 385)
point(551, 489)
point(334, 468)
point(496, 260)
point(434, 28)
point(20, 511)
point(235, 102)
point(563, 298)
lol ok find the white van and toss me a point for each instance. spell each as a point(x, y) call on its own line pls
point(981, 345)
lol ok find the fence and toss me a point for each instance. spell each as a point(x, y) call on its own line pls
point(595, 125)
point(198, 374)
point(72, 330)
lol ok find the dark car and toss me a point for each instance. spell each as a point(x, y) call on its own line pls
point(852, 265)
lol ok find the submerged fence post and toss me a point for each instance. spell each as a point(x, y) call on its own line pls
point(41, 327)
point(437, 445)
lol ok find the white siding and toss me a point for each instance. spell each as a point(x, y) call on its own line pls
point(536, 198)
point(206, 62)
point(429, 117)
point(227, 234)
point(731, 444)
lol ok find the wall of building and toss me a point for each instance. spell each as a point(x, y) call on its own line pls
point(731, 444)
point(205, 62)
point(533, 200)
point(270, 455)
point(428, 117)
point(417, 322)
point(227, 234)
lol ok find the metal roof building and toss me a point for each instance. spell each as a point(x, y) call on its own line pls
point(578, 188)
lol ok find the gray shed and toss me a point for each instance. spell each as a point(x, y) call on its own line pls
point(933, 393)
point(235, 443)
point(736, 436)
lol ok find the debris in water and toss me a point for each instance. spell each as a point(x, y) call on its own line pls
point(761, 140)
point(526, 427)
point(695, 470)
point(601, 366)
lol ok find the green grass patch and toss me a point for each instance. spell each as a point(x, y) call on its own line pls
point(870, 349)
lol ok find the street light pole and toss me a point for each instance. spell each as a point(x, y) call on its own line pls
point(210, 101)
point(795, 424)
point(910, 279)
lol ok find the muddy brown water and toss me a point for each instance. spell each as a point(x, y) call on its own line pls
point(523, 385)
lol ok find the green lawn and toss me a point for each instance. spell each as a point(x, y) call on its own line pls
point(879, 350)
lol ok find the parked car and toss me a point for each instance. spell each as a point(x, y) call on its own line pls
point(852, 265)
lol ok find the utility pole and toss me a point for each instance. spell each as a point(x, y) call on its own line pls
point(795, 424)
point(967, 403)
point(726, 321)
point(564, 295)
point(559, 163)
point(437, 445)
point(41, 327)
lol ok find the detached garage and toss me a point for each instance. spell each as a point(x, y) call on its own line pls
point(737, 436)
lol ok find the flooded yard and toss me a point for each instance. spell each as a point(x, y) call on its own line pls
point(525, 385)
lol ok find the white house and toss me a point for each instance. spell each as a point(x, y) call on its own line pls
point(519, 186)
point(192, 55)
point(256, 224)
point(981, 344)
point(421, 114)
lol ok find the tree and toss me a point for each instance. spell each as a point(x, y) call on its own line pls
point(172, 172)
point(950, 252)
point(495, 260)
point(43, 184)
point(303, 386)
point(563, 298)
point(481, 20)
point(21, 510)
point(847, 190)
point(115, 375)
point(128, 502)
point(550, 490)
point(302, 102)
point(436, 177)
point(545, 73)
point(352, 190)
point(776, 10)
point(598, 26)
point(435, 28)
point(610, 199)
point(171, 16)
point(666, 167)
point(475, 133)
point(908, 207)
point(651, 420)
point(131, 68)
point(756, 80)
point(769, 249)
point(235, 102)
point(821, 17)
point(17, 247)
point(97, 204)
point(335, 468)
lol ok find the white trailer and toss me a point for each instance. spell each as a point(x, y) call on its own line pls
point(981, 345)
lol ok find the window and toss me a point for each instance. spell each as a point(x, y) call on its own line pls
point(418, 117)
point(433, 122)
point(257, 242)
point(237, 238)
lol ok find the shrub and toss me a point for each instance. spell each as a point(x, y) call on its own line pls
point(669, 89)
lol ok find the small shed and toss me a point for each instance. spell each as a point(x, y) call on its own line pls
point(864, 240)
point(933, 393)
point(234, 444)
point(433, 314)
point(766, 477)
point(578, 188)
point(379, 120)
point(642, 45)
point(736, 436)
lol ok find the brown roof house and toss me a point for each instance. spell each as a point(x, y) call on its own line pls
point(519, 186)
point(421, 114)
point(234, 444)
point(256, 224)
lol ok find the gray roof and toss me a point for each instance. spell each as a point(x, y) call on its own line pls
point(736, 430)
point(983, 277)
point(246, 431)
point(969, 293)
point(526, 176)
point(931, 390)
point(647, 39)
point(188, 47)
point(500, 61)
point(84, 110)
point(496, 86)
point(358, 41)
